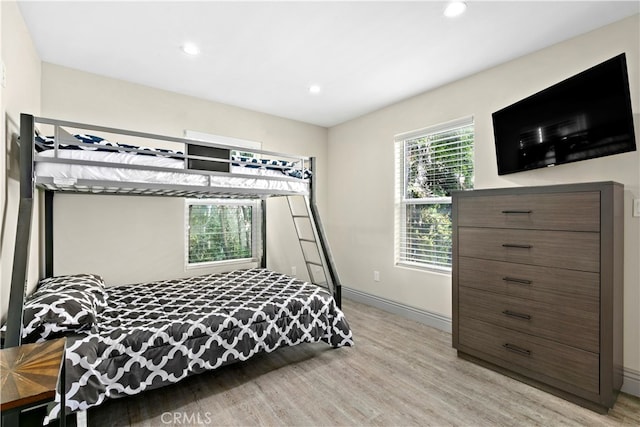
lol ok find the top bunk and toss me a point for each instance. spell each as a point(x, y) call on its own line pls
point(80, 158)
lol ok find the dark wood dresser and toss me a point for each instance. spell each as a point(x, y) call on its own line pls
point(538, 286)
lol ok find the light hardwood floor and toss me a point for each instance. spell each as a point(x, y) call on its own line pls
point(399, 373)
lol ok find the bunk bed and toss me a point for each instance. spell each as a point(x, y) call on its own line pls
point(122, 340)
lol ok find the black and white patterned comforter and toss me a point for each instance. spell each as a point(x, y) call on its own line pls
point(158, 333)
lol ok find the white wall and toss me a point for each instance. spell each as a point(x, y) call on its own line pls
point(21, 94)
point(136, 239)
point(361, 208)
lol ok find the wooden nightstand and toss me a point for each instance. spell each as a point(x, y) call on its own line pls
point(29, 376)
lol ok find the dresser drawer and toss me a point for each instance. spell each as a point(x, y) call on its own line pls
point(552, 362)
point(567, 324)
point(544, 284)
point(563, 249)
point(563, 211)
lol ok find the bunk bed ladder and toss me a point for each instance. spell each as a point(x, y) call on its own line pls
point(315, 249)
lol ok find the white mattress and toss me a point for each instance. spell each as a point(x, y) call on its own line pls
point(68, 173)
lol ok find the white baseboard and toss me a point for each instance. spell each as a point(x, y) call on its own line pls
point(430, 319)
point(630, 382)
point(631, 378)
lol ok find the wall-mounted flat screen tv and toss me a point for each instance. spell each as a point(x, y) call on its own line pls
point(585, 116)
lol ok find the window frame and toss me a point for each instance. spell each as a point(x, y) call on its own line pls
point(256, 231)
point(235, 144)
point(401, 199)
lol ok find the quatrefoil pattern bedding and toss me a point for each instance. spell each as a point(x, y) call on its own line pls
point(158, 333)
point(62, 305)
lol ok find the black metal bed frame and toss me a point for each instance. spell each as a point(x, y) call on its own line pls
point(25, 213)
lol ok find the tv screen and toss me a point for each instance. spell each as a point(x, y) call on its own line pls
point(585, 116)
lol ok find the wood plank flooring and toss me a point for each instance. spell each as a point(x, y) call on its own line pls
point(399, 373)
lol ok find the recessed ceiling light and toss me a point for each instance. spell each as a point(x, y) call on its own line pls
point(190, 49)
point(314, 89)
point(455, 8)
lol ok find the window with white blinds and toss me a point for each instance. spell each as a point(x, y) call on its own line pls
point(430, 164)
point(221, 231)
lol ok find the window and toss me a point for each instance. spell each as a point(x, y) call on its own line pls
point(221, 231)
point(250, 146)
point(430, 163)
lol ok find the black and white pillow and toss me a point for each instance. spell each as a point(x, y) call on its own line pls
point(95, 143)
point(287, 168)
point(91, 284)
point(49, 315)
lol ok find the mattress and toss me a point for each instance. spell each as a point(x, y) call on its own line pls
point(158, 333)
point(68, 174)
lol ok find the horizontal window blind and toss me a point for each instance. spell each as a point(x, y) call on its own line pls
point(427, 235)
point(438, 163)
point(220, 232)
point(432, 163)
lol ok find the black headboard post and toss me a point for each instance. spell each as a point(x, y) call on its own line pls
point(48, 233)
point(263, 232)
point(23, 234)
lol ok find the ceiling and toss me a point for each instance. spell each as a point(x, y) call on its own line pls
point(265, 55)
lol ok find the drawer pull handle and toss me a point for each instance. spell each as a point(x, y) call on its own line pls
point(516, 349)
point(514, 280)
point(518, 315)
point(517, 212)
point(513, 245)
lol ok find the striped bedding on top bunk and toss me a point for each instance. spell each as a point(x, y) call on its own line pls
point(127, 164)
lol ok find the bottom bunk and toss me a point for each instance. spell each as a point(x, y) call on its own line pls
point(123, 340)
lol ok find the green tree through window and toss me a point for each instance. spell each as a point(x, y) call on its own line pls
point(432, 164)
point(220, 231)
